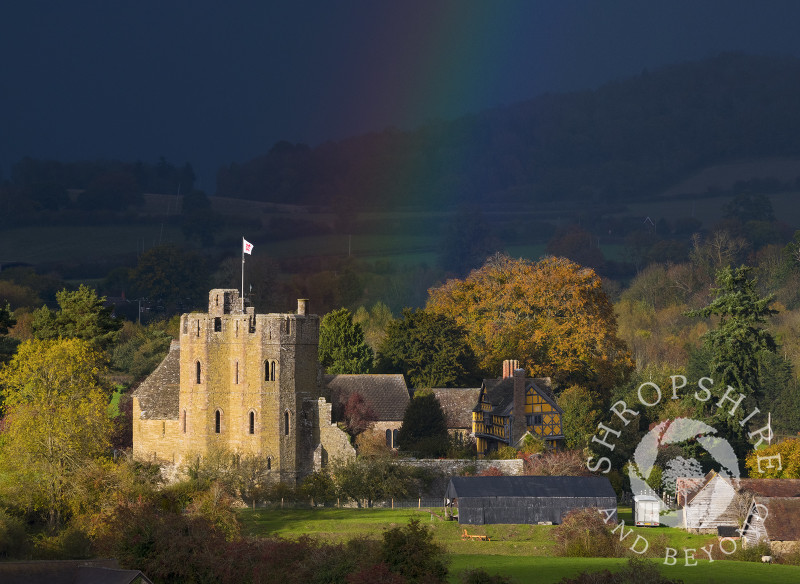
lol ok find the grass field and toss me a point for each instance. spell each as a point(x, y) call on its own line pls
point(524, 552)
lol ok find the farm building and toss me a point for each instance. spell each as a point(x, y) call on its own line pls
point(775, 520)
point(723, 502)
point(527, 499)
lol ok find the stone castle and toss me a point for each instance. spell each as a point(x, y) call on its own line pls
point(242, 381)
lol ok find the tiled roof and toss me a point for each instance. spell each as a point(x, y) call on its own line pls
point(500, 393)
point(458, 404)
point(386, 394)
point(762, 487)
point(783, 517)
point(158, 394)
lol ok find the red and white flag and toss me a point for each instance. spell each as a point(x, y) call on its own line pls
point(247, 247)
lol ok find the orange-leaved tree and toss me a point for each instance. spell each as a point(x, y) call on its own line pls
point(551, 315)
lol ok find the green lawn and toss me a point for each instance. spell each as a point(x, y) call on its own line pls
point(521, 551)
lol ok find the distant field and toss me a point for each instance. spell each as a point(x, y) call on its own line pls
point(521, 551)
point(710, 210)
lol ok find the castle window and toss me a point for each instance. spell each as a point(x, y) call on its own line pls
point(198, 328)
point(163, 429)
point(252, 429)
point(183, 422)
point(266, 371)
point(217, 421)
point(199, 371)
point(217, 324)
point(236, 380)
point(269, 463)
point(272, 371)
point(216, 299)
point(286, 423)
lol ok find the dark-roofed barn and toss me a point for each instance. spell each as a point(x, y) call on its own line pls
point(528, 499)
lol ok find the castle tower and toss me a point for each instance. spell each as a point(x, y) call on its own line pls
point(244, 378)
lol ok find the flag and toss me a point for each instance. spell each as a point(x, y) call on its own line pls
point(247, 247)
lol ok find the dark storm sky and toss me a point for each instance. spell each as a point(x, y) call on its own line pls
point(211, 82)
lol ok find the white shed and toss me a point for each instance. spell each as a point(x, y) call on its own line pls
point(646, 510)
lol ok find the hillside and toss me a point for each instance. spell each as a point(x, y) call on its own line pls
point(630, 139)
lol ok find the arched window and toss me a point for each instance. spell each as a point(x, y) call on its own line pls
point(236, 380)
point(266, 371)
point(199, 371)
point(217, 421)
point(394, 438)
point(272, 371)
point(252, 428)
point(183, 422)
point(286, 422)
point(269, 463)
point(389, 438)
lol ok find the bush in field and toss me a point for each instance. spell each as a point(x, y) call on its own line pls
point(583, 534)
point(411, 552)
point(481, 576)
point(636, 571)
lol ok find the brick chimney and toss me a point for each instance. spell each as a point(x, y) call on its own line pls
point(519, 423)
point(509, 365)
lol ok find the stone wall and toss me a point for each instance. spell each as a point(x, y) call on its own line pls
point(156, 440)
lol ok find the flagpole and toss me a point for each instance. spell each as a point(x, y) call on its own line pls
point(242, 272)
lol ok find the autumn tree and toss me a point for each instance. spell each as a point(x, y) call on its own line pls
point(55, 420)
point(357, 416)
point(342, 348)
point(7, 321)
point(429, 349)
point(81, 314)
point(552, 315)
point(777, 461)
point(373, 322)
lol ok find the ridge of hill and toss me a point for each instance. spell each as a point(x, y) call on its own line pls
point(631, 139)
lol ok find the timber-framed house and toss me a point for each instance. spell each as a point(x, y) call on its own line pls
point(512, 406)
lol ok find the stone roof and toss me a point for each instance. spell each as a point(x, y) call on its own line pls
point(158, 395)
point(762, 487)
point(458, 404)
point(783, 517)
point(500, 393)
point(386, 394)
point(68, 572)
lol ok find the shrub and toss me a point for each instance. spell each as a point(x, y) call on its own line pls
point(13, 540)
point(636, 571)
point(583, 534)
point(481, 576)
point(751, 554)
point(411, 552)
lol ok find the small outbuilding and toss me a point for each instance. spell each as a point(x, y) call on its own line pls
point(647, 510)
point(526, 499)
